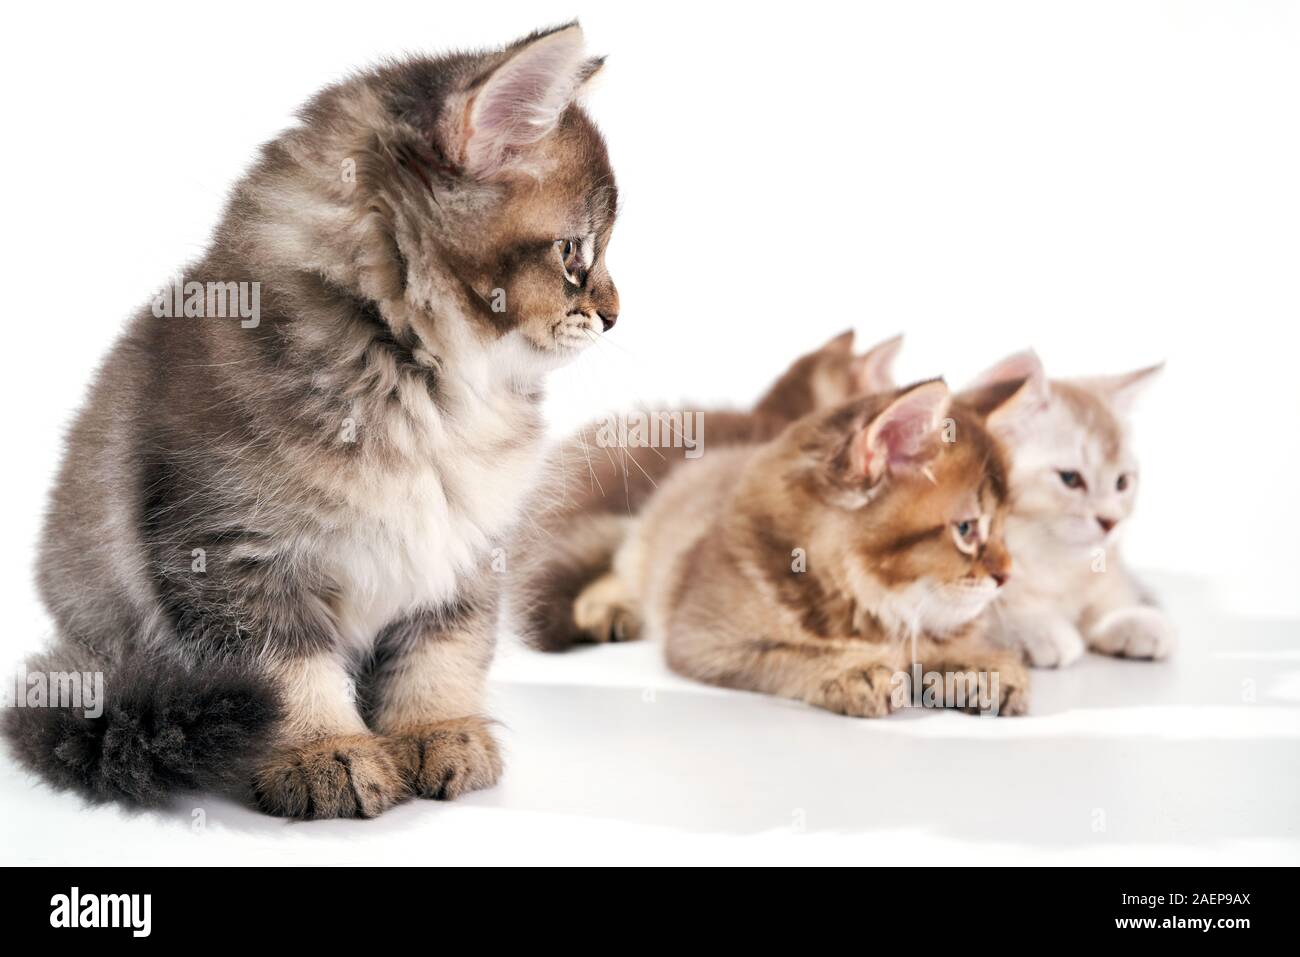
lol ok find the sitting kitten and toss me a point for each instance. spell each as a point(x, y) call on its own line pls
point(582, 512)
point(1074, 479)
point(274, 539)
point(816, 566)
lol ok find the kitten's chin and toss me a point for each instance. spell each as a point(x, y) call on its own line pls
point(931, 607)
point(520, 358)
point(567, 351)
point(957, 605)
point(574, 333)
point(557, 345)
point(1083, 534)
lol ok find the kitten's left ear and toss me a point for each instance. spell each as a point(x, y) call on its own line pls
point(904, 436)
point(519, 102)
point(1122, 391)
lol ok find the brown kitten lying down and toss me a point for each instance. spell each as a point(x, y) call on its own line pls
point(819, 565)
point(582, 511)
point(273, 538)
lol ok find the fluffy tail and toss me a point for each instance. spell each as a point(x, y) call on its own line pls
point(563, 563)
point(162, 729)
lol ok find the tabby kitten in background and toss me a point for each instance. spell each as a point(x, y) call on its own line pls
point(820, 564)
point(582, 511)
point(1074, 481)
point(275, 540)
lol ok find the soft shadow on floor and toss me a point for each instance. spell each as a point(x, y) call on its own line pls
point(744, 764)
point(1196, 750)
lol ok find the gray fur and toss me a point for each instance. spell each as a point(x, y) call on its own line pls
point(234, 496)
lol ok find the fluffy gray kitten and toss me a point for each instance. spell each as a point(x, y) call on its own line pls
point(274, 532)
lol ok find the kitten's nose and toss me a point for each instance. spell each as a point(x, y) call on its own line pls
point(1107, 523)
point(607, 319)
point(997, 562)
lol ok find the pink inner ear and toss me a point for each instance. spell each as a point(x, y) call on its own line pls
point(1022, 365)
point(521, 102)
point(905, 440)
point(902, 437)
point(862, 461)
point(1011, 420)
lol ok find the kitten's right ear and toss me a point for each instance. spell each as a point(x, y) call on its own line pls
point(590, 69)
point(1021, 365)
point(904, 436)
point(519, 102)
point(1011, 395)
point(873, 371)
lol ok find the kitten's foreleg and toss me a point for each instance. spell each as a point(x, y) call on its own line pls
point(991, 666)
point(1140, 631)
point(429, 693)
point(328, 763)
point(606, 610)
point(848, 677)
point(1045, 637)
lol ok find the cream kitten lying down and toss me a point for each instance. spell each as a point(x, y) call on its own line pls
point(1073, 485)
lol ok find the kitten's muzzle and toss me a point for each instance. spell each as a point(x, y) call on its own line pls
point(997, 562)
point(602, 299)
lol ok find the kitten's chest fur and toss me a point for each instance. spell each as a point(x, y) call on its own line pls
point(414, 530)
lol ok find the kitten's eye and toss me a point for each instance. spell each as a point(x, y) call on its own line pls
point(967, 535)
point(570, 262)
point(1121, 483)
point(1072, 479)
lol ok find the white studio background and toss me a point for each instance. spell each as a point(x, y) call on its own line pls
point(1111, 182)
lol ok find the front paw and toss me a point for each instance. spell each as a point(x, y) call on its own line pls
point(350, 776)
point(1010, 680)
point(604, 611)
point(864, 692)
point(1049, 642)
point(444, 760)
point(994, 685)
point(1141, 632)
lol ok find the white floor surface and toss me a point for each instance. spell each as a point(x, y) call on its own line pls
point(612, 759)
